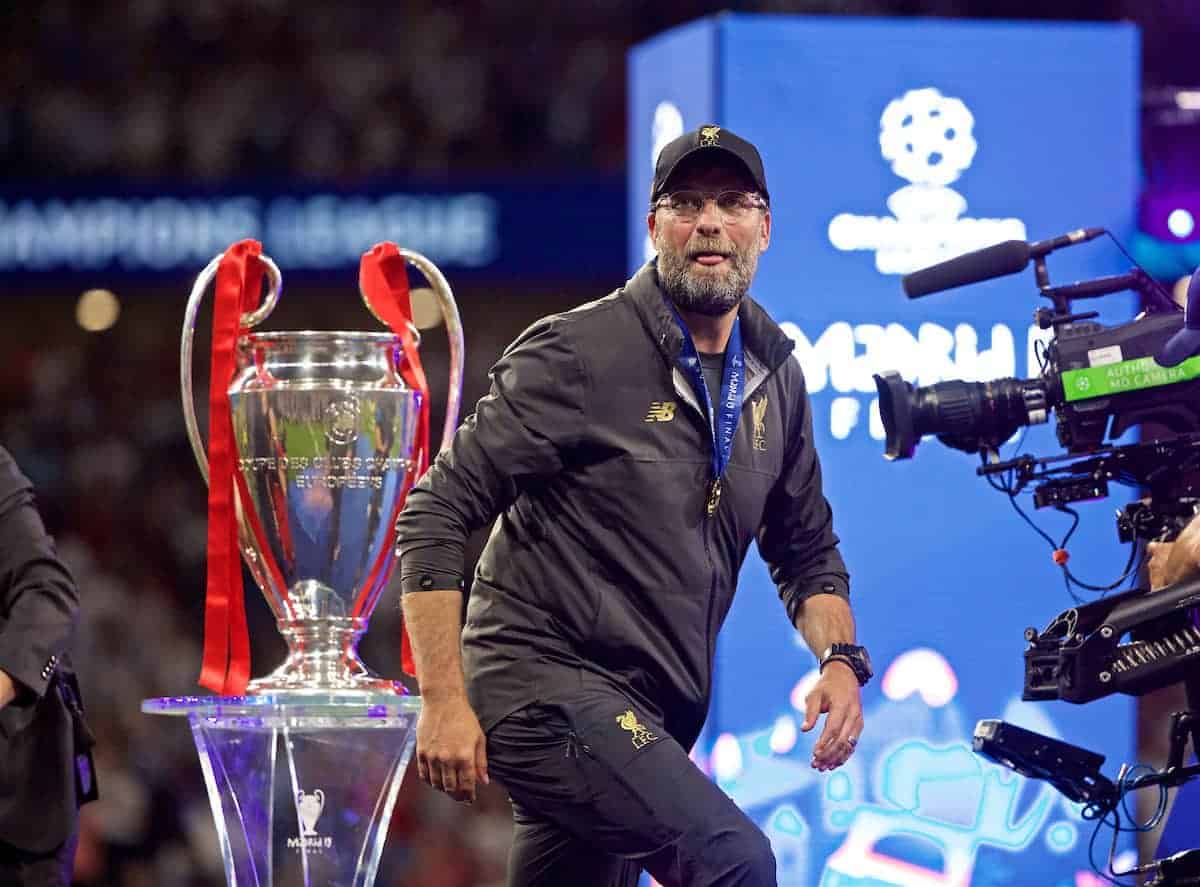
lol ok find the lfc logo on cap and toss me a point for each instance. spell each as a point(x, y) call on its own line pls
point(708, 136)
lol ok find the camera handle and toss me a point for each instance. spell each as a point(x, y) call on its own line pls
point(1060, 296)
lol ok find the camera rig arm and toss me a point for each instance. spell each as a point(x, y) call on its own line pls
point(1081, 655)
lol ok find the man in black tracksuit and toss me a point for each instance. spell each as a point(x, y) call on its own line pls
point(631, 450)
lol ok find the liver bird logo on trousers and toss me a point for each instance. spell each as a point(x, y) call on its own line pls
point(641, 735)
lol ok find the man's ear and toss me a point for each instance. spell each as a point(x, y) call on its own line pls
point(764, 235)
point(651, 222)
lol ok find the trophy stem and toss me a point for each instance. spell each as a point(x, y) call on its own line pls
point(323, 657)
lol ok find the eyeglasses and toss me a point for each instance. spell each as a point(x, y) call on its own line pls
point(734, 206)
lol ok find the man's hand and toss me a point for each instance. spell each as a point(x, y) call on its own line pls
point(1160, 554)
point(836, 695)
point(451, 752)
point(1172, 562)
point(8, 689)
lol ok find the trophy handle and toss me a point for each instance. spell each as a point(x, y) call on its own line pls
point(454, 333)
point(249, 319)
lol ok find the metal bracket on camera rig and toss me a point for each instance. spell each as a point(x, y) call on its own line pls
point(1163, 467)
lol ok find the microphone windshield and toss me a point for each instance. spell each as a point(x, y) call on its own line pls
point(1004, 258)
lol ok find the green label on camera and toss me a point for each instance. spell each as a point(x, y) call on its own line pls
point(1127, 375)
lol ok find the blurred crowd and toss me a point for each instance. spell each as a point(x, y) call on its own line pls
point(317, 90)
point(305, 90)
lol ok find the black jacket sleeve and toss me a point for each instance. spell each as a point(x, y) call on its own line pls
point(520, 430)
point(39, 603)
point(796, 538)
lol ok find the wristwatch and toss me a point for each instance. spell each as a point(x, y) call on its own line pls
point(854, 656)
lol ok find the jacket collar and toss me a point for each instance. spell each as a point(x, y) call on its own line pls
point(761, 335)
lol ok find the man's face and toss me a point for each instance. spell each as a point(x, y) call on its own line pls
point(706, 263)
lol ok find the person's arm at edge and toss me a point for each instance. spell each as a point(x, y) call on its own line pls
point(39, 593)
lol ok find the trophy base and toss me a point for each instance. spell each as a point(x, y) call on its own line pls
point(288, 811)
point(323, 658)
point(272, 685)
point(307, 677)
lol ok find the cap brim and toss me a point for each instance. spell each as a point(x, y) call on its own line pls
point(1181, 346)
point(707, 149)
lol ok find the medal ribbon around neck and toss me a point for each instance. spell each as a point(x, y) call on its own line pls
point(722, 417)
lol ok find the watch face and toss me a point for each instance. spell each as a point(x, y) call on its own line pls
point(866, 659)
point(857, 657)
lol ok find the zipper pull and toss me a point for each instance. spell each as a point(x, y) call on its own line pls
point(572, 747)
point(714, 497)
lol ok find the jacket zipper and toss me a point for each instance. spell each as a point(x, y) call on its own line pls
point(711, 503)
point(710, 520)
point(712, 500)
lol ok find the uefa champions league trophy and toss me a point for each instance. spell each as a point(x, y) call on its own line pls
point(328, 431)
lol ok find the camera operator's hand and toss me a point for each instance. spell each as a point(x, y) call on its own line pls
point(1160, 553)
point(1172, 562)
point(8, 689)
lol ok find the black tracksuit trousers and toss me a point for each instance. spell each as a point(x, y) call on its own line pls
point(600, 792)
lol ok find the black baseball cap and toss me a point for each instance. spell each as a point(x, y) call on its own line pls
point(708, 137)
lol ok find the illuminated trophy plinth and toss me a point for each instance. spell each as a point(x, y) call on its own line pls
point(316, 438)
point(301, 788)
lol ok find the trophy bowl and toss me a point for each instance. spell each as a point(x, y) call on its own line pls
point(324, 427)
point(324, 431)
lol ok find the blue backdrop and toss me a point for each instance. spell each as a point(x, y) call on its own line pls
point(890, 145)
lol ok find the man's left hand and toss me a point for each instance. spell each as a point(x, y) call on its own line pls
point(836, 695)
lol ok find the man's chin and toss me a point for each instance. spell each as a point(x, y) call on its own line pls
point(708, 305)
point(703, 276)
point(708, 309)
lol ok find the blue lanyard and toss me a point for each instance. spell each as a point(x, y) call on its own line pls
point(723, 419)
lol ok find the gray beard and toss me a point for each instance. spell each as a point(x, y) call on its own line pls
point(707, 295)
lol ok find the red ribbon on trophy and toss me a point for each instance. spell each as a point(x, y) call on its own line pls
point(226, 665)
point(383, 279)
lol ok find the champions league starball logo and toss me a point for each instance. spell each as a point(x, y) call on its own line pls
point(928, 139)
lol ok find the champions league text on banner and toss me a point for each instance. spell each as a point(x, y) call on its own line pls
point(470, 229)
point(890, 146)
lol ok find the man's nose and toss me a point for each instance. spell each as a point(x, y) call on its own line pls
point(709, 221)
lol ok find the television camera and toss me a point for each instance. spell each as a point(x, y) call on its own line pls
point(1098, 381)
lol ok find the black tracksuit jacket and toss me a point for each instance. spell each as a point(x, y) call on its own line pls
point(594, 452)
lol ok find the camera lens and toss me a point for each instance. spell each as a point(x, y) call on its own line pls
point(969, 416)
